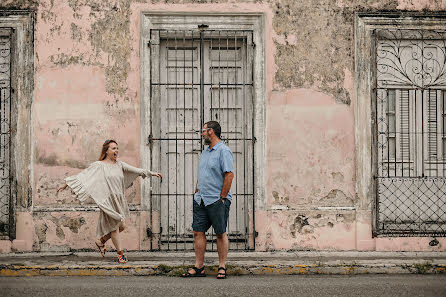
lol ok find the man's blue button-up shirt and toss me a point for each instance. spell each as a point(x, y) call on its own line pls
point(213, 165)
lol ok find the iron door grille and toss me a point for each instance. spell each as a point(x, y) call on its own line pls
point(410, 138)
point(6, 218)
point(197, 76)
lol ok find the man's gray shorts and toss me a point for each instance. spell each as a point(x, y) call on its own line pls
point(215, 215)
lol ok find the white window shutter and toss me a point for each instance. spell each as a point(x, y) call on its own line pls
point(405, 131)
point(431, 125)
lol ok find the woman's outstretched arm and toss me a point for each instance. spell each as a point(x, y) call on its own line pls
point(141, 172)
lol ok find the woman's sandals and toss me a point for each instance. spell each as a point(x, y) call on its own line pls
point(101, 248)
point(221, 275)
point(199, 272)
point(122, 259)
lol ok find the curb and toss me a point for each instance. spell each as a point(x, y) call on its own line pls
point(234, 270)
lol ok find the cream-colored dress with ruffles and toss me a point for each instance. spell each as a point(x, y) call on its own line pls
point(106, 184)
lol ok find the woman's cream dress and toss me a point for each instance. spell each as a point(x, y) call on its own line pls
point(106, 184)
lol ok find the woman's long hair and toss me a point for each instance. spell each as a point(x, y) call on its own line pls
point(105, 148)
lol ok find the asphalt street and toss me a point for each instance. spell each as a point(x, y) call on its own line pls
point(283, 286)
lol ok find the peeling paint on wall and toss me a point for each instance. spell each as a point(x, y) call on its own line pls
point(311, 150)
point(72, 223)
point(65, 231)
point(87, 89)
point(20, 4)
point(303, 230)
point(110, 34)
point(307, 224)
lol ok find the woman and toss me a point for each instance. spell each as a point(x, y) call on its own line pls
point(105, 181)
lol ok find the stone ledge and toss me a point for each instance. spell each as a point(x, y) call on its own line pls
point(176, 269)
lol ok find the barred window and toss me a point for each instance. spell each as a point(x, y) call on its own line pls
point(411, 142)
point(5, 117)
point(16, 95)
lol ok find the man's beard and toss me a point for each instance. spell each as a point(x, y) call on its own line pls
point(207, 141)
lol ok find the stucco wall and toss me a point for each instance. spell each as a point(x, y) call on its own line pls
point(87, 89)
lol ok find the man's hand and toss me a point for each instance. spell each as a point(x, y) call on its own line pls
point(226, 185)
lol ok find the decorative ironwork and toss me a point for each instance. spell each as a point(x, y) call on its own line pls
point(412, 206)
point(411, 58)
point(197, 76)
point(5, 114)
point(410, 133)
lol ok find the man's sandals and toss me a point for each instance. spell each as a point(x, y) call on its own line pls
point(199, 272)
point(221, 275)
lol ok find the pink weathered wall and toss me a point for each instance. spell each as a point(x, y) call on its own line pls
point(82, 98)
point(310, 164)
point(87, 89)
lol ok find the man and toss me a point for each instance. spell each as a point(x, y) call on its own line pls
point(212, 199)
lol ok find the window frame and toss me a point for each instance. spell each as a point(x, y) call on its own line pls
point(365, 98)
point(22, 86)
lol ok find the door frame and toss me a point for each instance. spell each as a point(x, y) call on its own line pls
point(216, 21)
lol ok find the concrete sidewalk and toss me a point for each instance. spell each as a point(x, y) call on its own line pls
point(239, 263)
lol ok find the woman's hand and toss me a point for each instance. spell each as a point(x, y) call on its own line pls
point(157, 174)
point(62, 188)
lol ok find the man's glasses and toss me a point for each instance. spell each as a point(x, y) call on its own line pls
point(203, 130)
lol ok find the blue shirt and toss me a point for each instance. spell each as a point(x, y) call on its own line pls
point(213, 165)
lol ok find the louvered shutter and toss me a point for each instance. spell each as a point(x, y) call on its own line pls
point(433, 131)
point(432, 124)
point(405, 130)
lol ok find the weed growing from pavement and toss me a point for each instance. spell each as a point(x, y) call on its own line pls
point(423, 268)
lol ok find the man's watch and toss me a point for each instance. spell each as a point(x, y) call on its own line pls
point(222, 198)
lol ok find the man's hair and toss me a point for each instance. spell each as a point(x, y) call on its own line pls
point(215, 126)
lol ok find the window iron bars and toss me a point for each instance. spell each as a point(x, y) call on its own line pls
point(410, 140)
point(5, 119)
point(197, 76)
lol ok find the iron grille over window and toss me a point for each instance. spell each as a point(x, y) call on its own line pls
point(410, 132)
point(197, 76)
point(5, 118)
